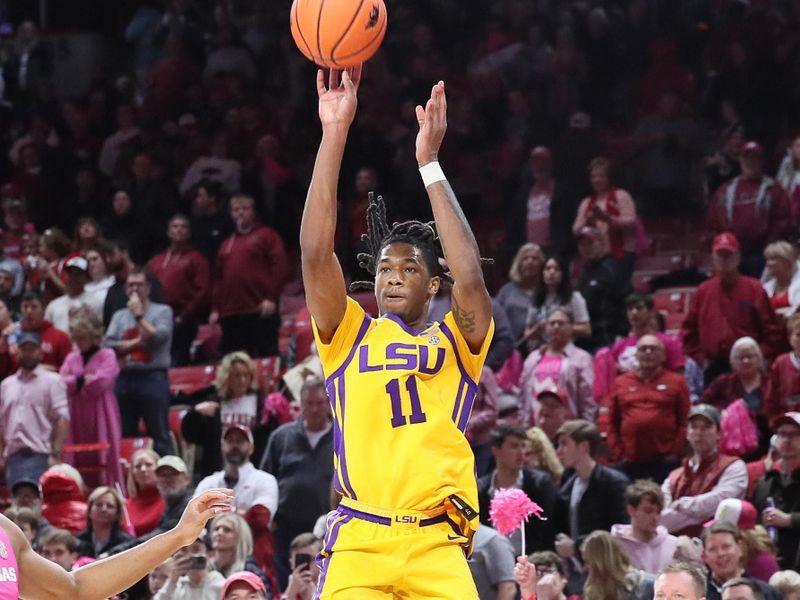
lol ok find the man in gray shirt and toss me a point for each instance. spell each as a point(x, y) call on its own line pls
point(492, 565)
point(141, 335)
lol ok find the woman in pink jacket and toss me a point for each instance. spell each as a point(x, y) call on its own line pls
point(90, 372)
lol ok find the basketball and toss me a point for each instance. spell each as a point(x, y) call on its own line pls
point(338, 33)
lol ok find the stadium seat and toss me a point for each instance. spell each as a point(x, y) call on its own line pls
point(673, 300)
point(191, 379)
point(673, 323)
point(93, 474)
point(270, 369)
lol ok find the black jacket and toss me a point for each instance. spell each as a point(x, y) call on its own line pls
point(539, 487)
point(602, 504)
point(714, 591)
point(86, 545)
point(787, 498)
point(304, 474)
point(206, 432)
point(604, 288)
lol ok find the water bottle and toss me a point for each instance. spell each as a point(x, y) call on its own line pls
point(772, 532)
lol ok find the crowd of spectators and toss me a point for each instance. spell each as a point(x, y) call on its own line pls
point(151, 223)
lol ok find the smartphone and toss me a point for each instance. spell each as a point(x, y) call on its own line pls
point(198, 562)
point(302, 559)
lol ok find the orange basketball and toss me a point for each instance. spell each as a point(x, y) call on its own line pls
point(338, 33)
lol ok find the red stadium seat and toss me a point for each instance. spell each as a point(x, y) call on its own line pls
point(191, 379)
point(673, 323)
point(673, 300)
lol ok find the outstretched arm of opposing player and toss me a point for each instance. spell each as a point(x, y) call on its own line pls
point(322, 273)
point(471, 304)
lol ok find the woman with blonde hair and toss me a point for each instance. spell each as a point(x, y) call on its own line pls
point(144, 504)
point(540, 454)
point(787, 583)
point(782, 282)
point(89, 373)
point(104, 523)
point(234, 398)
point(609, 573)
point(525, 277)
point(232, 547)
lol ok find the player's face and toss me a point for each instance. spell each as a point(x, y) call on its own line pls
point(403, 285)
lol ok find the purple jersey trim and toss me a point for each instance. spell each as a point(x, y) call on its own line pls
point(341, 450)
point(405, 327)
point(466, 411)
point(360, 336)
point(457, 405)
point(324, 561)
point(365, 516)
point(449, 334)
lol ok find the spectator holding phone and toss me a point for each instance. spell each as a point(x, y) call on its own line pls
point(305, 572)
point(190, 577)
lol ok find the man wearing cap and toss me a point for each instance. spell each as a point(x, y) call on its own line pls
point(58, 312)
point(693, 491)
point(552, 411)
point(648, 413)
point(244, 585)
point(544, 208)
point(34, 413)
point(782, 485)
point(174, 485)
point(753, 207)
point(725, 308)
point(604, 287)
point(185, 277)
point(141, 335)
point(256, 491)
point(508, 448)
point(27, 493)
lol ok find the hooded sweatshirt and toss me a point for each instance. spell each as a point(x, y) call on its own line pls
point(63, 503)
point(647, 556)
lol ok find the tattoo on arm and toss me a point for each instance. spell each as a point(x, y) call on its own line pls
point(465, 319)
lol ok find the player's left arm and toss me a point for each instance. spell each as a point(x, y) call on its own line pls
point(471, 304)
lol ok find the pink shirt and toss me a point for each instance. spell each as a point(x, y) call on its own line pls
point(30, 405)
point(9, 586)
point(624, 352)
point(539, 199)
point(548, 371)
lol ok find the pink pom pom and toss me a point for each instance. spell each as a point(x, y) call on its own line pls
point(509, 508)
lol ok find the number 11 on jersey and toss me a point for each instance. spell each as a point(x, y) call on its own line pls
point(398, 418)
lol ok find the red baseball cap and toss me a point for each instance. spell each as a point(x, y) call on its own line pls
point(554, 391)
point(541, 152)
point(792, 418)
point(739, 513)
point(251, 579)
point(752, 147)
point(725, 241)
point(238, 427)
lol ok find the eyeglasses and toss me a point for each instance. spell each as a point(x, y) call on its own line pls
point(542, 569)
point(648, 348)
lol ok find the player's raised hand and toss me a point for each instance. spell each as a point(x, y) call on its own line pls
point(197, 513)
point(432, 121)
point(338, 97)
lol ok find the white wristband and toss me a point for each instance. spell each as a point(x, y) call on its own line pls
point(431, 173)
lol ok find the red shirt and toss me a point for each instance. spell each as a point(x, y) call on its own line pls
point(145, 510)
point(718, 317)
point(185, 278)
point(251, 268)
point(648, 418)
point(784, 389)
point(753, 225)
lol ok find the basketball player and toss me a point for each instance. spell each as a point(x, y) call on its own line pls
point(25, 574)
point(401, 388)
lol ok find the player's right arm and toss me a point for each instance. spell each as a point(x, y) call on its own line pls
point(322, 274)
point(44, 580)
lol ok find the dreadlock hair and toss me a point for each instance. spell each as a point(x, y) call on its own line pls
point(422, 236)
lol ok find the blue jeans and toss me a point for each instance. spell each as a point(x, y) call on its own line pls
point(145, 395)
point(25, 464)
